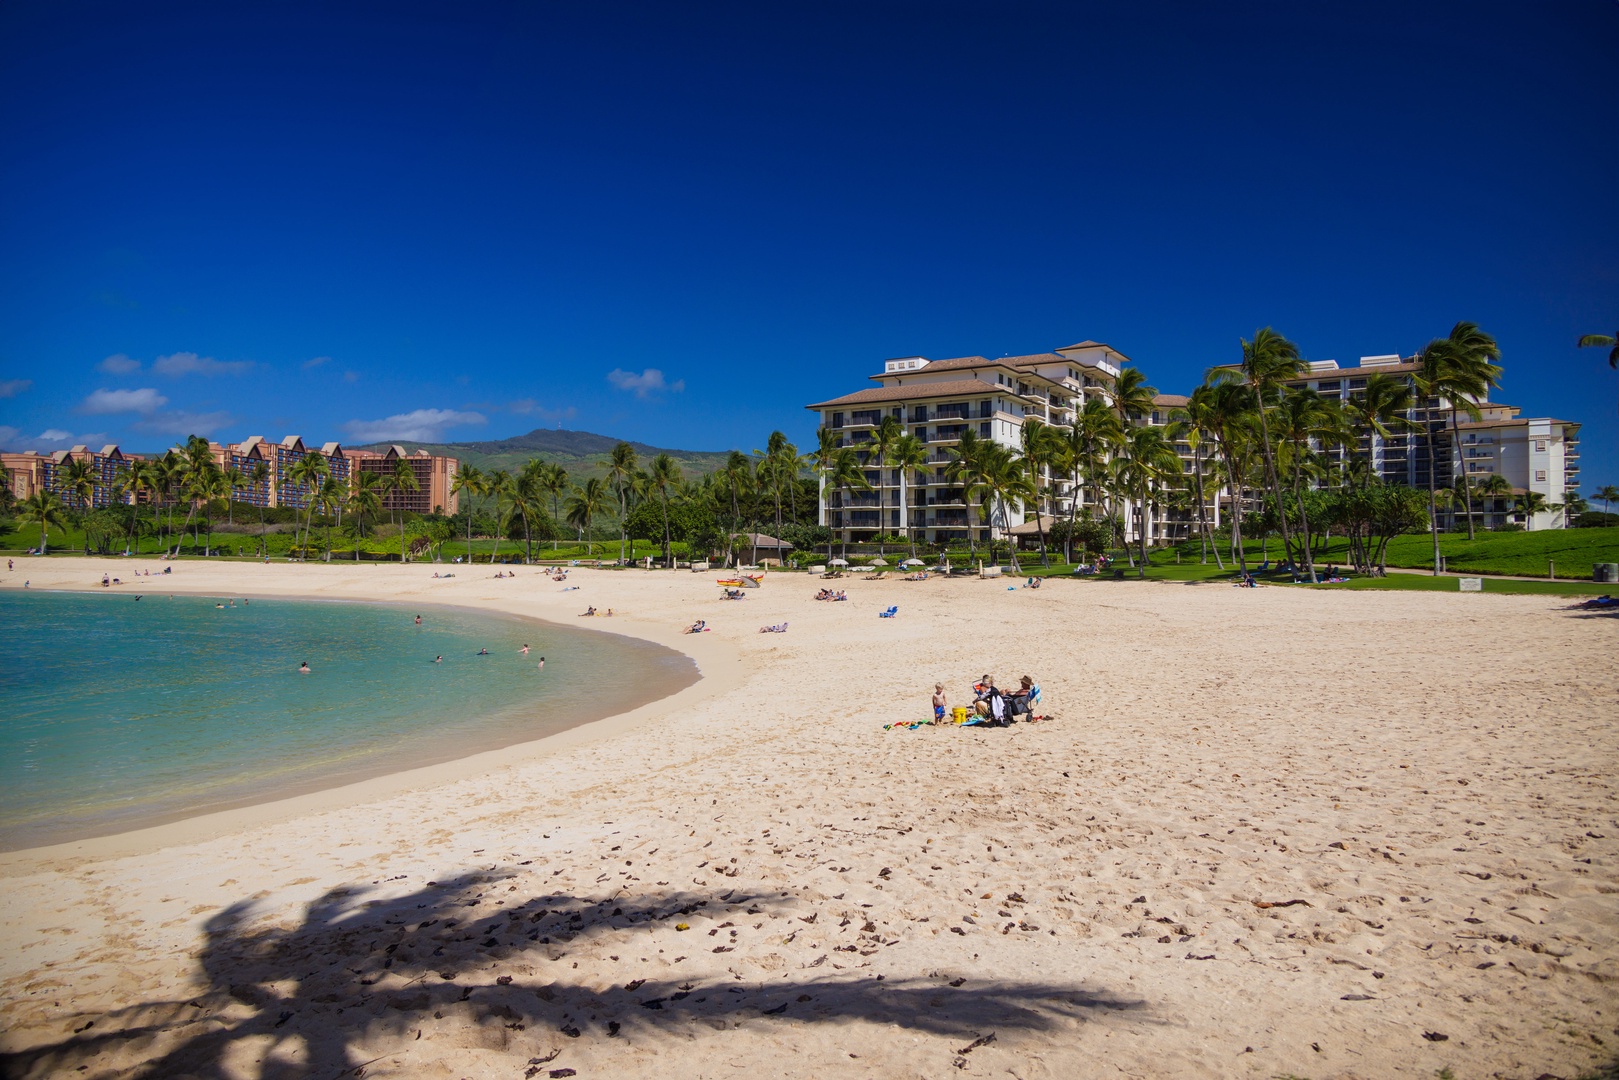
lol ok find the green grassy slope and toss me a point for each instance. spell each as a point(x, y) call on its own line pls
point(1524, 554)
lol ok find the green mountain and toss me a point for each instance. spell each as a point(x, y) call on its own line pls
point(582, 453)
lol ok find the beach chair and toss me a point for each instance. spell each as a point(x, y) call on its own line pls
point(890, 613)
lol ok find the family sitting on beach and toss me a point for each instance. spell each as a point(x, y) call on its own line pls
point(831, 594)
point(991, 707)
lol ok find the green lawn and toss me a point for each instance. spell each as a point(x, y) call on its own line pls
point(1524, 554)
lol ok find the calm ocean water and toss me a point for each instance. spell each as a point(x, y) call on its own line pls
point(116, 714)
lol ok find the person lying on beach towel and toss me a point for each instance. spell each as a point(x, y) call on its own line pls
point(587, 613)
point(778, 628)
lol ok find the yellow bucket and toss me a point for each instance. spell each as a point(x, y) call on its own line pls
point(959, 714)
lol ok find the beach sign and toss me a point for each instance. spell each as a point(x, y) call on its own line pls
point(1471, 584)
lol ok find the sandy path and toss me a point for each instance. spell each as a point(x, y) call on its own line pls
point(1431, 774)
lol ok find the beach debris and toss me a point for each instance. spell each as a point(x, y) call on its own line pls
point(1280, 903)
point(1357, 997)
point(1191, 956)
point(653, 1003)
point(552, 1056)
point(613, 1029)
point(556, 1073)
point(957, 982)
point(634, 985)
point(777, 1011)
point(570, 1031)
point(1434, 1036)
point(982, 1040)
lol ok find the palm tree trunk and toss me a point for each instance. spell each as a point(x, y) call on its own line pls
point(1274, 482)
point(1433, 505)
point(667, 557)
point(1456, 451)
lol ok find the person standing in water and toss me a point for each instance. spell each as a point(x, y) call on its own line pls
point(542, 663)
point(418, 620)
point(303, 668)
point(524, 649)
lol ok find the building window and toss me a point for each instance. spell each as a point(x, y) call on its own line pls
point(1540, 476)
point(1540, 446)
point(983, 430)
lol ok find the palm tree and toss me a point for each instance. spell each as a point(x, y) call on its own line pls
point(503, 486)
point(662, 475)
point(45, 509)
point(79, 479)
point(621, 466)
point(234, 479)
point(332, 499)
point(1268, 361)
point(553, 480)
point(364, 503)
point(257, 477)
point(1088, 443)
point(1457, 369)
point(467, 483)
point(1197, 420)
point(586, 502)
point(131, 483)
point(846, 476)
point(307, 473)
point(529, 501)
point(1304, 415)
point(1602, 341)
point(1042, 449)
point(1005, 487)
point(213, 484)
point(738, 478)
point(887, 432)
point(827, 444)
point(1495, 484)
point(1608, 494)
point(1529, 504)
point(908, 454)
point(1147, 458)
point(969, 465)
point(403, 479)
point(1380, 411)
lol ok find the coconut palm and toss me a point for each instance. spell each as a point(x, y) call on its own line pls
point(969, 465)
point(44, 509)
point(529, 501)
point(908, 454)
point(736, 480)
point(132, 482)
point(364, 504)
point(553, 480)
point(662, 475)
point(1602, 341)
point(1004, 487)
point(1459, 370)
point(1608, 493)
point(1381, 411)
point(502, 485)
point(888, 431)
point(1042, 451)
point(212, 485)
point(1088, 443)
point(234, 480)
point(307, 473)
point(1197, 422)
point(1268, 361)
point(1529, 504)
point(1495, 485)
point(257, 476)
point(827, 444)
point(77, 480)
point(402, 479)
point(1146, 459)
point(467, 483)
point(331, 497)
point(586, 502)
point(845, 476)
point(1303, 416)
point(621, 465)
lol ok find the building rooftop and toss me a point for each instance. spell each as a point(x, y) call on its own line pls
point(1171, 401)
point(1516, 421)
point(916, 391)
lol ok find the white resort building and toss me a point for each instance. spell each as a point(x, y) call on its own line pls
point(937, 400)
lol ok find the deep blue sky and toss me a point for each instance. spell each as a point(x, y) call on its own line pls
point(326, 215)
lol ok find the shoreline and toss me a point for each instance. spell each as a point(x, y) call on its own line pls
point(707, 658)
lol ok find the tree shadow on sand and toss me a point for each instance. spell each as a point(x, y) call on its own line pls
point(372, 972)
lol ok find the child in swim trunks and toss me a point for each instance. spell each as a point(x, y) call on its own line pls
point(940, 705)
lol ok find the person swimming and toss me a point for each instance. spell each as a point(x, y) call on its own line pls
point(418, 620)
point(439, 659)
point(542, 663)
point(524, 649)
point(303, 668)
point(483, 652)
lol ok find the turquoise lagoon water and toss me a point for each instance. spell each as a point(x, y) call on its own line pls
point(117, 713)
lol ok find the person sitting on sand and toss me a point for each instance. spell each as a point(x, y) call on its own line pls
point(587, 612)
point(941, 704)
point(303, 668)
point(609, 613)
point(991, 703)
point(697, 627)
point(105, 581)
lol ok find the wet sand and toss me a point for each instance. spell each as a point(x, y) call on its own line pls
point(1265, 832)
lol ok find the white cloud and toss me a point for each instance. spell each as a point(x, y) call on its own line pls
point(119, 364)
point(180, 422)
point(420, 425)
point(10, 388)
point(55, 435)
point(145, 400)
point(50, 439)
point(648, 382)
point(316, 362)
point(8, 437)
point(189, 363)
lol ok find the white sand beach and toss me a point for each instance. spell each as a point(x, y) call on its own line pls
point(1265, 832)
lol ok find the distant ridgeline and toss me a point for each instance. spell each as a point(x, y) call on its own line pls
point(582, 453)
